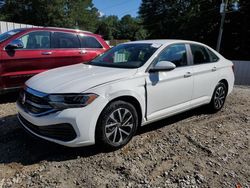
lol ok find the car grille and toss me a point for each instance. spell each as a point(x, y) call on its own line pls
point(63, 132)
point(34, 102)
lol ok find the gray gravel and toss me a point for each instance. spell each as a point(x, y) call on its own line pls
point(193, 149)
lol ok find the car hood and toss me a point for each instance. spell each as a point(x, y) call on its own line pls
point(76, 78)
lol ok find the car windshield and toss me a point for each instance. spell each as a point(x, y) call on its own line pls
point(9, 34)
point(128, 55)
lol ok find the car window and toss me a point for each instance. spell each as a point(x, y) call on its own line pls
point(200, 54)
point(36, 40)
point(89, 42)
point(176, 54)
point(213, 57)
point(65, 40)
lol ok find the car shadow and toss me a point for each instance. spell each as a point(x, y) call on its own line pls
point(173, 119)
point(9, 97)
point(16, 145)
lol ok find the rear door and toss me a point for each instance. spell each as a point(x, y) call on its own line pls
point(90, 47)
point(205, 73)
point(66, 49)
point(20, 64)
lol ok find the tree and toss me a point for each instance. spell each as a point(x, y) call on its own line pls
point(236, 40)
point(197, 20)
point(175, 19)
point(60, 13)
point(108, 27)
point(128, 28)
point(131, 28)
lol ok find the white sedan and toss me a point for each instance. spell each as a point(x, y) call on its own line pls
point(131, 85)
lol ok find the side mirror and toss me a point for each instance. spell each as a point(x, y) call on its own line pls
point(163, 66)
point(15, 44)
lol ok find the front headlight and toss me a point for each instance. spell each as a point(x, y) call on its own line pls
point(63, 101)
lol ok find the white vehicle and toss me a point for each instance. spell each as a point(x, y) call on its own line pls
point(131, 85)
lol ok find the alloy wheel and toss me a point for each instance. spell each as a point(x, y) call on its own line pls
point(119, 126)
point(219, 98)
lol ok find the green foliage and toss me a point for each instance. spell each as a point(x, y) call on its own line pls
point(131, 28)
point(80, 14)
point(198, 20)
point(175, 19)
point(126, 28)
point(109, 27)
point(60, 13)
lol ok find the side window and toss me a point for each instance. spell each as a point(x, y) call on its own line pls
point(89, 42)
point(200, 54)
point(176, 54)
point(36, 40)
point(65, 40)
point(213, 57)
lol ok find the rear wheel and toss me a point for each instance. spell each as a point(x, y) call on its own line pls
point(117, 124)
point(219, 97)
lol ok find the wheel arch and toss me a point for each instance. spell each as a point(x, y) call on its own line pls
point(126, 98)
point(132, 100)
point(224, 81)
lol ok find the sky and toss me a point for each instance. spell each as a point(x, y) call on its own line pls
point(117, 7)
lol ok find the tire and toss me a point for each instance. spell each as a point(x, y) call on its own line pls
point(116, 125)
point(218, 98)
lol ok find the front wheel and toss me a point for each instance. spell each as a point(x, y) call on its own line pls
point(117, 124)
point(219, 97)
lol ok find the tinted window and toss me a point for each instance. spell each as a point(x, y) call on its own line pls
point(213, 57)
point(65, 40)
point(200, 54)
point(36, 40)
point(126, 55)
point(89, 42)
point(176, 54)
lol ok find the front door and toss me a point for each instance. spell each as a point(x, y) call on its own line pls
point(171, 91)
point(20, 64)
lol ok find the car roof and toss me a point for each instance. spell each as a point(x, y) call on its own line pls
point(163, 41)
point(166, 42)
point(57, 29)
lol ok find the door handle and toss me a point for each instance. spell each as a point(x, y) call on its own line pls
point(188, 74)
point(83, 52)
point(46, 53)
point(214, 69)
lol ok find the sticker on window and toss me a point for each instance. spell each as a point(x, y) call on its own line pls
point(155, 45)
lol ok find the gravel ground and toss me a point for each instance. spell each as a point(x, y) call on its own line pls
point(193, 149)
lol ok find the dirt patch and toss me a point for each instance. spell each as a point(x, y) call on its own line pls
point(193, 149)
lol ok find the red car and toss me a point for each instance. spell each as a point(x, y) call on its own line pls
point(29, 51)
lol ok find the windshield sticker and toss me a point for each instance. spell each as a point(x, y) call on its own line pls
point(155, 45)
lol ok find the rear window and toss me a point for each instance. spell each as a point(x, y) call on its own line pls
point(65, 40)
point(9, 34)
point(200, 54)
point(89, 42)
point(213, 57)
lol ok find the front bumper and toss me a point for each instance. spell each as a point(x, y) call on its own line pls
point(82, 121)
point(62, 132)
